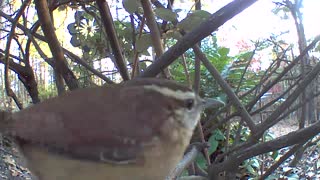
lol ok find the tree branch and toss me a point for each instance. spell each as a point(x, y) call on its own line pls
point(54, 44)
point(226, 88)
point(206, 28)
point(9, 91)
point(107, 22)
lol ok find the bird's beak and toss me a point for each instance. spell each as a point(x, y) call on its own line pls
point(212, 103)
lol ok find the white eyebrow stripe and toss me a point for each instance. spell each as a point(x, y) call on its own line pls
point(178, 94)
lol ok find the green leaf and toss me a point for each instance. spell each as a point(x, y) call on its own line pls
point(218, 135)
point(317, 49)
point(268, 135)
point(222, 97)
point(250, 169)
point(213, 144)
point(165, 14)
point(204, 15)
point(75, 41)
point(254, 162)
point(79, 15)
point(201, 161)
point(193, 20)
point(126, 33)
point(144, 42)
point(72, 28)
point(143, 65)
point(131, 6)
point(173, 34)
point(274, 155)
point(223, 51)
point(214, 139)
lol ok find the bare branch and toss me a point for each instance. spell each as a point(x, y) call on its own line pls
point(54, 44)
point(9, 91)
point(75, 58)
point(284, 72)
point(153, 26)
point(227, 89)
point(272, 119)
point(107, 22)
point(188, 158)
point(206, 28)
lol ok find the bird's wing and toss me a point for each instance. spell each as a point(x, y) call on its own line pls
point(95, 124)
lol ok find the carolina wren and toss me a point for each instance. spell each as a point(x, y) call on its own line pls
point(137, 130)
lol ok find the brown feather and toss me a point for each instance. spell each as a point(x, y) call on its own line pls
point(77, 124)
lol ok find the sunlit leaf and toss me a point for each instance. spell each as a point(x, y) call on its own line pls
point(165, 14)
point(193, 20)
point(223, 51)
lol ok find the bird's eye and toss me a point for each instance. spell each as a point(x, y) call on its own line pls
point(189, 103)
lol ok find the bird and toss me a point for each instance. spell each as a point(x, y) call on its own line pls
point(135, 130)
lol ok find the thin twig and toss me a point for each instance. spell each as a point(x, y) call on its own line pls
point(9, 91)
point(227, 89)
point(107, 22)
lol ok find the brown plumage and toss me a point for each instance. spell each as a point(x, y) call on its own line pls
point(126, 131)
